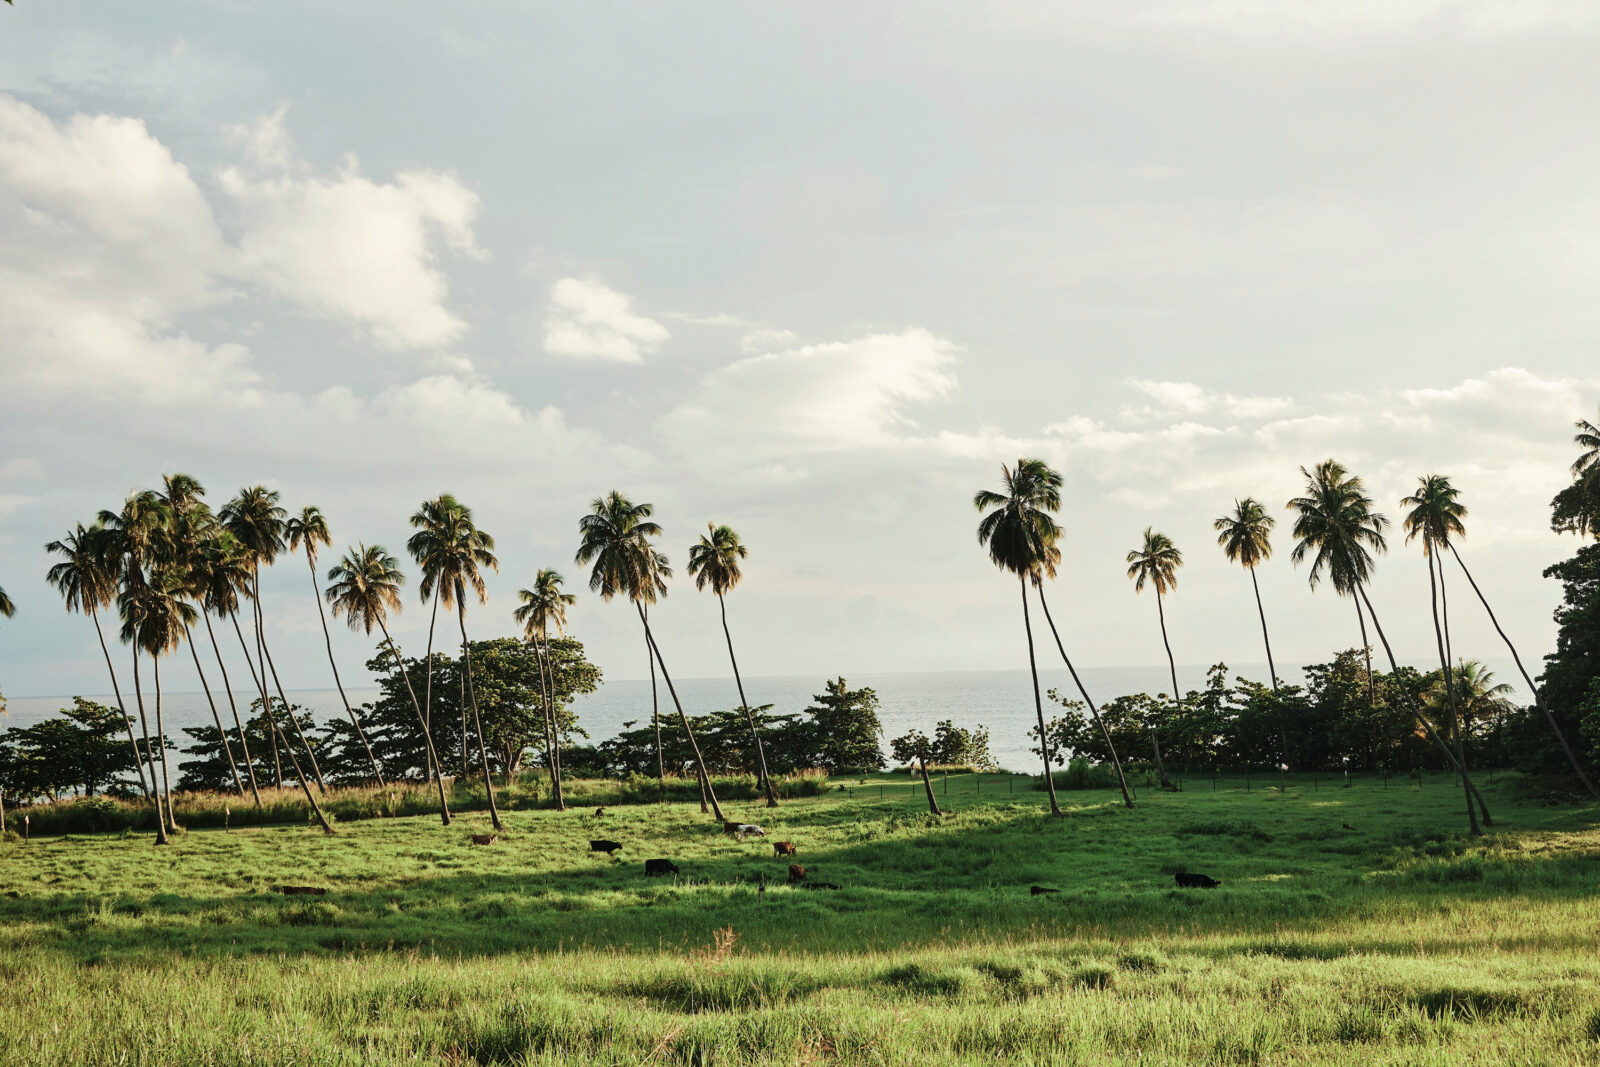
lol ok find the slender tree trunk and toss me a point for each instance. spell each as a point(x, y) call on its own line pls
point(266, 659)
point(477, 723)
point(1416, 710)
point(261, 689)
point(749, 716)
point(655, 709)
point(328, 641)
point(699, 762)
point(144, 727)
point(1038, 704)
point(1271, 669)
point(1453, 724)
point(427, 735)
point(1366, 650)
point(161, 742)
point(1172, 665)
point(927, 786)
point(427, 698)
point(127, 722)
point(1122, 779)
point(1538, 698)
point(552, 726)
point(275, 731)
point(555, 721)
point(233, 704)
point(222, 734)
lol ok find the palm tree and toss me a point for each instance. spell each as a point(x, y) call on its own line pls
point(615, 537)
point(217, 573)
point(451, 554)
point(84, 580)
point(428, 521)
point(1246, 539)
point(1157, 561)
point(1336, 526)
point(256, 519)
point(714, 561)
point(154, 620)
point(1020, 534)
point(545, 607)
point(308, 530)
point(1588, 439)
point(8, 607)
point(1478, 696)
point(366, 587)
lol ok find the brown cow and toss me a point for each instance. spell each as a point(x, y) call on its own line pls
point(797, 873)
point(783, 848)
point(484, 839)
point(301, 890)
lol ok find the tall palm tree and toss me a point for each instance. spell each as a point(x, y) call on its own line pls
point(8, 609)
point(217, 573)
point(428, 520)
point(1588, 439)
point(85, 581)
point(154, 620)
point(136, 535)
point(257, 520)
point(543, 608)
point(306, 531)
point(1246, 539)
point(1156, 561)
point(1019, 533)
point(615, 537)
point(1435, 516)
point(714, 561)
point(452, 555)
point(1337, 528)
point(365, 588)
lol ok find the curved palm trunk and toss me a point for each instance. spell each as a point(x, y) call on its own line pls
point(655, 711)
point(238, 724)
point(1116, 762)
point(276, 732)
point(328, 641)
point(1271, 668)
point(699, 762)
point(427, 736)
point(1538, 698)
point(1038, 704)
point(434, 767)
point(1454, 722)
point(1427, 726)
point(138, 764)
point(749, 716)
point(268, 665)
point(261, 689)
point(161, 742)
point(222, 734)
point(552, 728)
point(144, 727)
point(1172, 665)
point(477, 723)
point(927, 785)
point(1366, 649)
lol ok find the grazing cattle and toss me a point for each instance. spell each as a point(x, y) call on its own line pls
point(818, 885)
point(660, 867)
point(742, 830)
point(599, 813)
point(1347, 826)
point(484, 839)
point(797, 873)
point(783, 848)
point(1039, 890)
point(607, 847)
point(1196, 881)
point(301, 890)
point(731, 828)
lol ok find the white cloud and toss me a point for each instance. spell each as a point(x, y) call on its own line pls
point(1190, 399)
point(586, 319)
point(767, 340)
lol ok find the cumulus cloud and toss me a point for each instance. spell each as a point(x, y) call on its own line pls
point(1188, 398)
point(587, 319)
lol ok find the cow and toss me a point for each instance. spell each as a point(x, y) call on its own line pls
point(484, 839)
point(660, 867)
point(797, 873)
point(599, 813)
point(742, 830)
point(607, 847)
point(1039, 890)
point(1195, 881)
point(301, 890)
point(783, 848)
point(818, 885)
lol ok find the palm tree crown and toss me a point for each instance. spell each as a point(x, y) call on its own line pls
point(136, 535)
point(615, 536)
point(1335, 520)
point(544, 607)
point(1019, 532)
point(1435, 513)
point(7, 608)
point(366, 587)
point(1588, 439)
point(714, 559)
point(451, 550)
point(83, 577)
point(1156, 561)
point(309, 528)
point(256, 520)
point(1246, 535)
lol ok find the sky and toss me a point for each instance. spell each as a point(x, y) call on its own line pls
point(813, 270)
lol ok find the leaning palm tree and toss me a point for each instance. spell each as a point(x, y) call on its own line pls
point(1246, 539)
point(714, 561)
point(366, 587)
point(615, 537)
point(1338, 530)
point(543, 608)
point(154, 620)
point(84, 580)
point(307, 530)
point(216, 573)
point(1156, 561)
point(428, 520)
point(452, 555)
point(1020, 535)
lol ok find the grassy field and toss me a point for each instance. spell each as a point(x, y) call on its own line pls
point(1352, 924)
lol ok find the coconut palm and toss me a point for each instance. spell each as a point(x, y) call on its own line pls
point(1246, 539)
point(452, 555)
point(1588, 439)
point(1479, 697)
point(1156, 561)
point(136, 535)
point(306, 531)
point(154, 620)
point(714, 561)
point(615, 537)
point(1338, 530)
point(8, 607)
point(217, 573)
point(544, 607)
point(1019, 533)
point(365, 588)
point(85, 581)
point(428, 520)
point(256, 519)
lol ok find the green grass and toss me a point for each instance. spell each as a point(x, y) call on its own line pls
point(1396, 941)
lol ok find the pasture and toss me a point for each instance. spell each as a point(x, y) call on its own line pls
point(1353, 923)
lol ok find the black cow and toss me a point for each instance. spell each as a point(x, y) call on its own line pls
point(818, 885)
point(660, 867)
point(1195, 881)
point(607, 847)
point(1040, 890)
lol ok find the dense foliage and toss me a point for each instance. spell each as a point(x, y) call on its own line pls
point(84, 749)
point(1571, 678)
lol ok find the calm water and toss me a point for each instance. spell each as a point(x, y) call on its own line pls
point(1000, 700)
